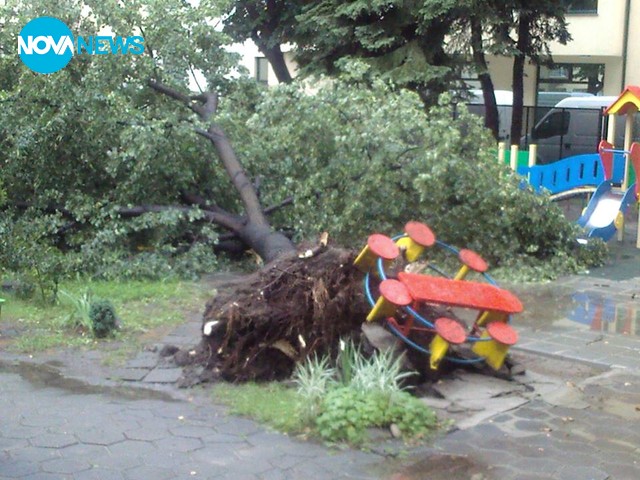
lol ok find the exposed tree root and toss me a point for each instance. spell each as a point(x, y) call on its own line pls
point(292, 308)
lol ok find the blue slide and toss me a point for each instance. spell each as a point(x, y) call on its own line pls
point(605, 210)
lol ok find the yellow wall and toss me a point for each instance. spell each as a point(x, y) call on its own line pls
point(596, 35)
point(633, 59)
point(500, 69)
point(595, 39)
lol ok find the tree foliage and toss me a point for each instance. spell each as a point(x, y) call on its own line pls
point(113, 162)
point(423, 45)
point(96, 165)
point(363, 160)
point(400, 42)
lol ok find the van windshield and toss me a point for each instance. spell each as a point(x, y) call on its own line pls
point(556, 123)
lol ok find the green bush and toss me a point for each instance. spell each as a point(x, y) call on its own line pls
point(28, 249)
point(347, 413)
point(364, 160)
point(104, 321)
point(24, 289)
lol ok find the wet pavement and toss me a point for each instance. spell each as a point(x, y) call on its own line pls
point(572, 416)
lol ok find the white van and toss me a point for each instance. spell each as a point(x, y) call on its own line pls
point(504, 100)
point(572, 127)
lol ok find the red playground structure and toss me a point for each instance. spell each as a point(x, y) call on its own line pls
point(403, 301)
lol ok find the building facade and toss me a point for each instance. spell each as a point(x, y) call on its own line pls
point(602, 58)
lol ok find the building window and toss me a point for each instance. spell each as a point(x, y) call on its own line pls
point(564, 79)
point(581, 6)
point(262, 70)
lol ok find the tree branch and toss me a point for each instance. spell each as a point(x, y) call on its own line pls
point(170, 92)
point(223, 147)
point(278, 206)
point(200, 201)
point(214, 215)
point(223, 219)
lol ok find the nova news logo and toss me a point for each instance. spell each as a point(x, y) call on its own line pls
point(46, 45)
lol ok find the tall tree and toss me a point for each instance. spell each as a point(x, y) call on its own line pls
point(401, 42)
point(471, 42)
point(536, 25)
point(492, 121)
point(417, 44)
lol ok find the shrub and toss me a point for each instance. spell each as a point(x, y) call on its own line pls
point(26, 247)
point(364, 160)
point(104, 321)
point(347, 413)
point(24, 289)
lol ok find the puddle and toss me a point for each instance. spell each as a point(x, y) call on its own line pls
point(551, 304)
point(441, 467)
point(544, 304)
point(47, 376)
point(603, 314)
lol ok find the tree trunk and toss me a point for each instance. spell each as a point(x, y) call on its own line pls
point(276, 59)
point(519, 60)
point(266, 242)
point(253, 229)
point(491, 118)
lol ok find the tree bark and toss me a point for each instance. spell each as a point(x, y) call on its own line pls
point(491, 118)
point(522, 47)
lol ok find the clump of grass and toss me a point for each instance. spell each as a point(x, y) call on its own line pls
point(381, 372)
point(313, 379)
point(79, 318)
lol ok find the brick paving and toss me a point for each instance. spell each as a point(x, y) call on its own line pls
point(579, 425)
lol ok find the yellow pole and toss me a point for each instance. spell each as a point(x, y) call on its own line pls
point(514, 157)
point(464, 270)
point(611, 130)
point(501, 149)
point(533, 153)
point(628, 137)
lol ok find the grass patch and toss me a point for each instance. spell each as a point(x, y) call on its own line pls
point(271, 404)
point(142, 306)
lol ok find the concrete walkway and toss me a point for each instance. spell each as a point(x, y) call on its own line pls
point(572, 416)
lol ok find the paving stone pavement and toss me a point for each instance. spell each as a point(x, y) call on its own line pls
point(572, 416)
point(55, 433)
